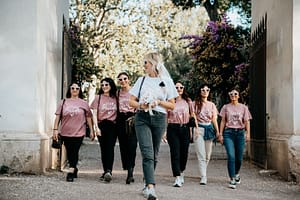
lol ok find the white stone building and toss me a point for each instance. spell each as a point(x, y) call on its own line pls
point(31, 80)
point(282, 84)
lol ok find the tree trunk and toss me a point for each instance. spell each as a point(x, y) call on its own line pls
point(211, 7)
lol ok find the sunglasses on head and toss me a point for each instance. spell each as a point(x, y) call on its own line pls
point(205, 90)
point(75, 88)
point(233, 93)
point(104, 84)
point(123, 79)
point(180, 87)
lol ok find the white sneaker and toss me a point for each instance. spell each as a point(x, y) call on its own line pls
point(203, 180)
point(177, 182)
point(232, 184)
point(149, 193)
point(145, 191)
point(182, 177)
point(237, 179)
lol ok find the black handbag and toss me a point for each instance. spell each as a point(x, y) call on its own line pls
point(192, 122)
point(130, 127)
point(56, 144)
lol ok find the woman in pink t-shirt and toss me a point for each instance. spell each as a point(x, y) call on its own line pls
point(74, 112)
point(104, 109)
point(178, 133)
point(127, 142)
point(207, 129)
point(234, 124)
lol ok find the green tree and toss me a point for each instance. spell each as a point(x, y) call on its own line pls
point(220, 58)
point(218, 7)
point(82, 61)
point(116, 34)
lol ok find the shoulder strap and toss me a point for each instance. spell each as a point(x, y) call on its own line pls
point(118, 97)
point(141, 87)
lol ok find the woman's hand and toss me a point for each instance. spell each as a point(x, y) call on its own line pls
point(247, 137)
point(98, 131)
point(196, 132)
point(55, 135)
point(92, 135)
point(221, 139)
point(164, 138)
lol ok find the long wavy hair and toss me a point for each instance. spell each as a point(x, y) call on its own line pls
point(113, 87)
point(198, 99)
point(184, 95)
point(157, 64)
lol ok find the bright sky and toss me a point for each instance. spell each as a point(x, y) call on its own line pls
point(235, 18)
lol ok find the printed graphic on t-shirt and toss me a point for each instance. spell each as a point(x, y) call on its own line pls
point(72, 111)
point(205, 114)
point(108, 107)
point(234, 118)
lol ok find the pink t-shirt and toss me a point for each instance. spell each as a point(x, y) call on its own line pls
point(124, 102)
point(73, 122)
point(107, 108)
point(181, 112)
point(235, 115)
point(207, 113)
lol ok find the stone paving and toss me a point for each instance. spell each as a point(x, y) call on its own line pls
point(52, 185)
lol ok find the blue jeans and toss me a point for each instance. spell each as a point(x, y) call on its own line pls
point(149, 131)
point(234, 142)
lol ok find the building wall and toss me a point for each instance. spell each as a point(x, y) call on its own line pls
point(294, 142)
point(282, 84)
point(30, 80)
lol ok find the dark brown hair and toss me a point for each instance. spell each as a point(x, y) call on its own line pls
point(68, 94)
point(123, 73)
point(113, 87)
point(198, 99)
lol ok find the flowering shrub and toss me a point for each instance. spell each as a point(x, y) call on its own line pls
point(220, 58)
point(82, 60)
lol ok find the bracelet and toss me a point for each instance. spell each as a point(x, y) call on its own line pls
point(55, 129)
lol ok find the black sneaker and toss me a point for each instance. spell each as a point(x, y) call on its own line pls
point(70, 177)
point(75, 173)
point(102, 177)
point(107, 176)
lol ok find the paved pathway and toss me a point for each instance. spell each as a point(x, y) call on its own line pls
point(52, 186)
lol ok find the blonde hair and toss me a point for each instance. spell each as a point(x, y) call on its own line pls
point(157, 63)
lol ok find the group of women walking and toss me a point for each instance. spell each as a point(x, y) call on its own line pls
point(162, 110)
point(106, 118)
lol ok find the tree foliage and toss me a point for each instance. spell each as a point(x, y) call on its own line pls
point(82, 60)
point(243, 6)
point(114, 35)
point(220, 57)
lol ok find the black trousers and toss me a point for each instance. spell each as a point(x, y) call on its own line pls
point(107, 142)
point(128, 143)
point(179, 141)
point(72, 145)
